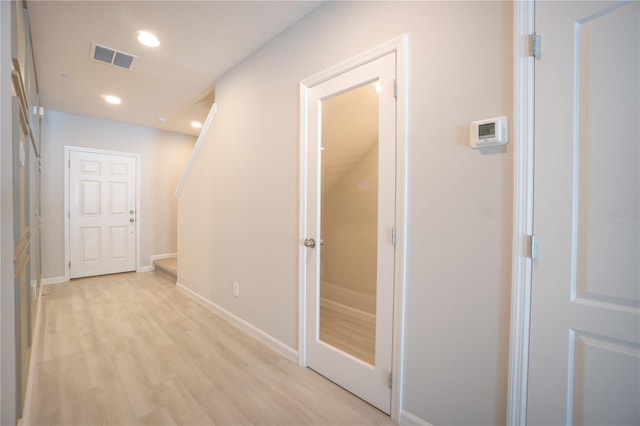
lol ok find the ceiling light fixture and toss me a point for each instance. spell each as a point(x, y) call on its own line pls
point(148, 39)
point(111, 99)
point(196, 124)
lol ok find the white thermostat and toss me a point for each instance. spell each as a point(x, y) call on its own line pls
point(491, 132)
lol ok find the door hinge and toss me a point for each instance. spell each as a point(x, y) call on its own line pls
point(535, 45)
point(69, 264)
point(390, 384)
point(532, 247)
point(69, 164)
point(394, 236)
point(395, 89)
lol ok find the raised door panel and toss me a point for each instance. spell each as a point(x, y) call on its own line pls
point(601, 369)
point(118, 242)
point(606, 161)
point(90, 198)
point(118, 198)
point(90, 245)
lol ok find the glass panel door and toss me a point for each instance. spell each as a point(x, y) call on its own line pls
point(349, 221)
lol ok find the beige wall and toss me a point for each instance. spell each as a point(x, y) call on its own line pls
point(238, 214)
point(163, 158)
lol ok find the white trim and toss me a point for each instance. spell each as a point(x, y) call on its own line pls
point(67, 151)
point(162, 256)
point(398, 46)
point(348, 310)
point(401, 46)
point(347, 297)
point(243, 325)
point(372, 54)
point(28, 396)
point(53, 280)
point(196, 149)
point(523, 125)
point(410, 419)
point(302, 225)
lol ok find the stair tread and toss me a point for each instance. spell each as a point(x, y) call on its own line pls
point(169, 266)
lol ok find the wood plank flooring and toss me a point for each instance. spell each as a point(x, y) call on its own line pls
point(349, 330)
point(129, 349)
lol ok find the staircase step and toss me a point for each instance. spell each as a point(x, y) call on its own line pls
point(167, 266)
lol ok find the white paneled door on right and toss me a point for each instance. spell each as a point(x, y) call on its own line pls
point(102, 213)
point(584, 362)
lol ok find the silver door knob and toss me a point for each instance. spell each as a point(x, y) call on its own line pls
point(131, 219)
point(310, 243)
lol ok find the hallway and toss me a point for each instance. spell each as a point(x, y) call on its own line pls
point(130, 349)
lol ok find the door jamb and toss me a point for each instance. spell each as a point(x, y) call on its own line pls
point(67, 229)
point(524, 25)
point(398, 46)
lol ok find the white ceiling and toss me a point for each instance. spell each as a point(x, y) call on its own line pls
point(200, 40)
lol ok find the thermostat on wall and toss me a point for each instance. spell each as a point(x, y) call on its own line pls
point(491, 132)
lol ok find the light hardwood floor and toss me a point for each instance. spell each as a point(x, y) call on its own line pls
point(349, 330)
point(129, 349)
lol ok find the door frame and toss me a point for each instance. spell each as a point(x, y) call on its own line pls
point(67, 207)
point(397, 46)
point(523, 172)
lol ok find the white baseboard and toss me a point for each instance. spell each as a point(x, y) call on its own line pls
point(243, 325)
point(53, 280)
point(410, 419)
point(28, 397)
point(349, 297)
point(145, 269)
point(346, 309)
point(162, 256)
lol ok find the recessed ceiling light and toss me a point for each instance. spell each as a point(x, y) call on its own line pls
point(148, 39)
point(196, 124)
point(111, 99)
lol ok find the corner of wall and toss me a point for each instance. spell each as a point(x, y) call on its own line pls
point(243, 325)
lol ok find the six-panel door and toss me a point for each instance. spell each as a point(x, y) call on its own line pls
point(102, 213)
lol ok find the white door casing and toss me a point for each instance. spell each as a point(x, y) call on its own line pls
point(102, 202)
point(584, 359)
point(369, 382)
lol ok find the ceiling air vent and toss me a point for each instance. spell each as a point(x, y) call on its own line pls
point(111, 56)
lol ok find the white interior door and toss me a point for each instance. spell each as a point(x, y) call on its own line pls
point(102, 213)
point(585, 335)
point(350, 225)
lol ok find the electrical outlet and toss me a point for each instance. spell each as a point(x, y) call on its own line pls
point(236, 288)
